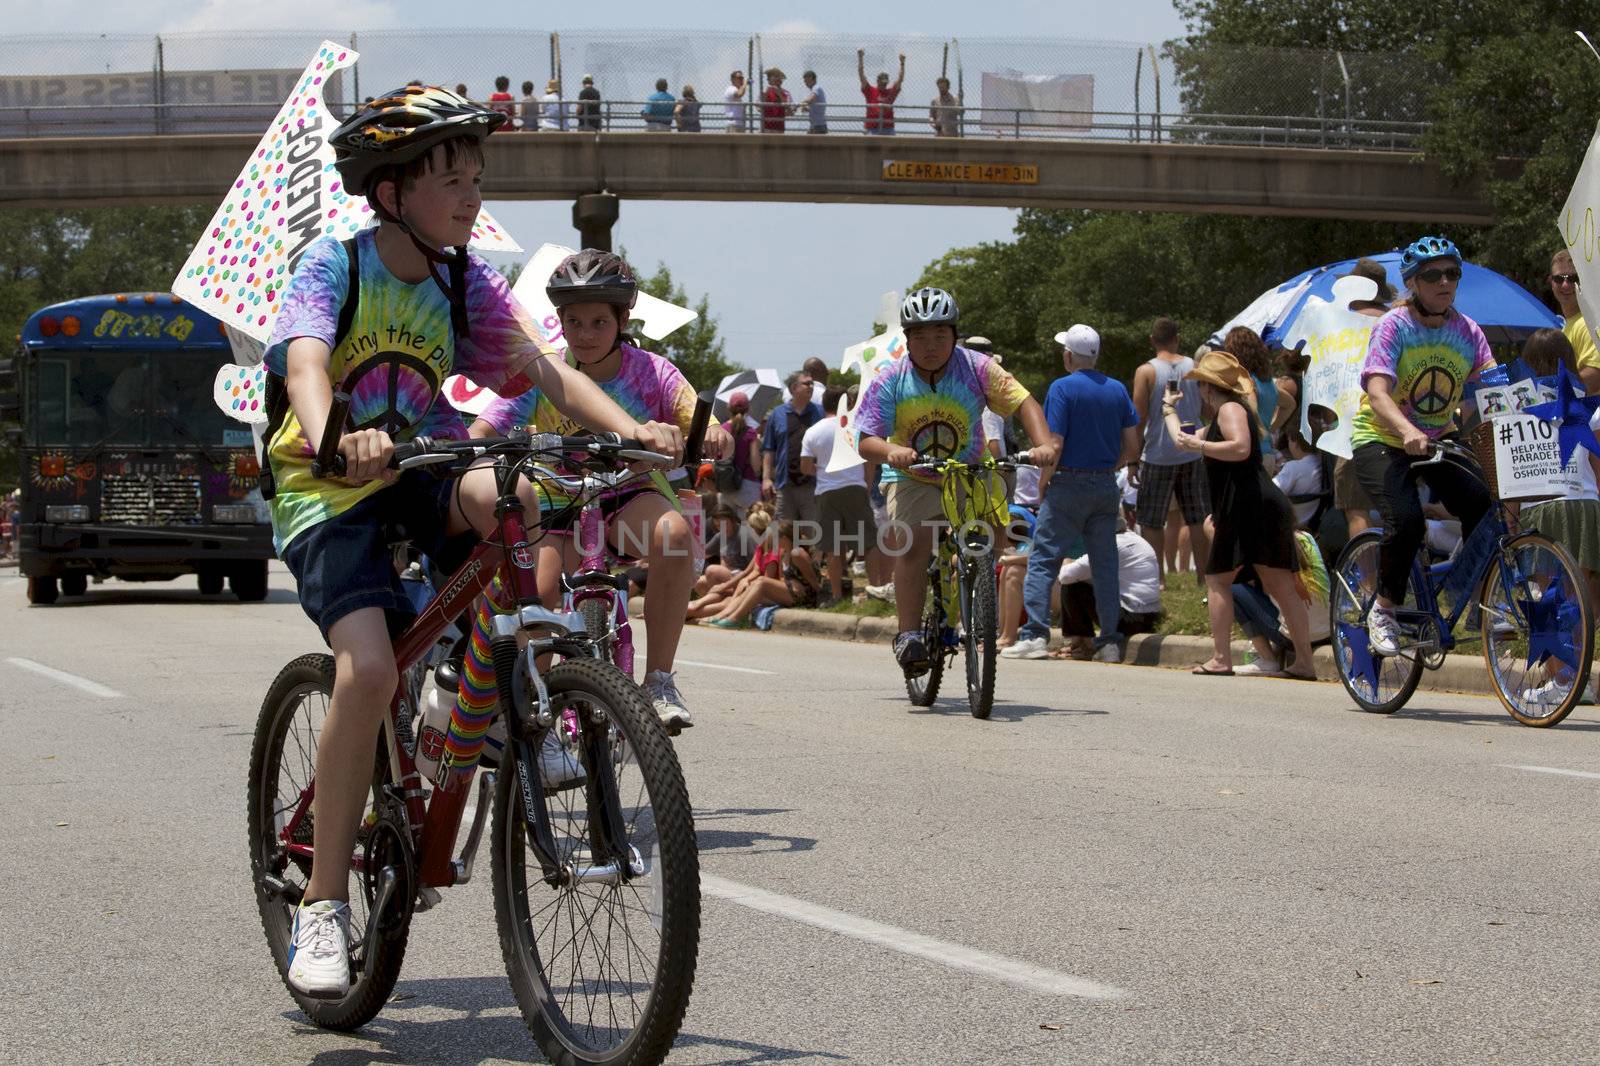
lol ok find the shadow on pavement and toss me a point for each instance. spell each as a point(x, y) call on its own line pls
point(476, 1036)
point(747, 840)
point(1501, 718)
point(100, 596)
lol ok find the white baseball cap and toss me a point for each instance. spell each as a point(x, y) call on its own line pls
point(1080, 340)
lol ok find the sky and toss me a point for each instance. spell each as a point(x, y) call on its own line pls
point(785, 281)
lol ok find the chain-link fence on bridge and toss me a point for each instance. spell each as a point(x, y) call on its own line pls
point(1035, 87)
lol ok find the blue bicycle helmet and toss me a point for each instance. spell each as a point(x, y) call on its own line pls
point(1020, 527)
point(1422, 250)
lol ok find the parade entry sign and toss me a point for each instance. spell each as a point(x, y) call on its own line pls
point(288, 195)
point(1527, 458)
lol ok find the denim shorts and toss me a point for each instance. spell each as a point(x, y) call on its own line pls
point(345, 564)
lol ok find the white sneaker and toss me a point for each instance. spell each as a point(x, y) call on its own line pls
point(1109, 653)
point(1028, 648)
point(319, 950)
point(1259, 668)
point(1589, 698)
point(1549, 694)
point(663, 695)
point(1383, 631)
point(558, 766)
point(882, 592)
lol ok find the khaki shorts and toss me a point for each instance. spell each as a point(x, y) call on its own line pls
point(916, 503)
point(845, 515)
point(1348, 495)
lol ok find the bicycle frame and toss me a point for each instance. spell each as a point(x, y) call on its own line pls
point(593, 581)
point(434, 825)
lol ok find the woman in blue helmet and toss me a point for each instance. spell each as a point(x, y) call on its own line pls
point(1422, 356)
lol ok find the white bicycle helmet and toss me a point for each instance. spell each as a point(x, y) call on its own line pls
point(929, 307)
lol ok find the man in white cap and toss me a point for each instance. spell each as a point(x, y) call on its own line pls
point(1092, 421)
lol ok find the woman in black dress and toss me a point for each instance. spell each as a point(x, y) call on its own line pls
point(1252, 522)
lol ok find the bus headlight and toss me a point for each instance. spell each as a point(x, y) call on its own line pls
point(66, 512)
point(233, 512)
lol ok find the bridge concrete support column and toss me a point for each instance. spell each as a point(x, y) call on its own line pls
point(593, 215)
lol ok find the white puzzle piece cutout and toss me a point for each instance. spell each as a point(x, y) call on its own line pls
point(288, 195)
point(657, 318)
point(1335, 339)
point(845, 454)
point(1579, 223)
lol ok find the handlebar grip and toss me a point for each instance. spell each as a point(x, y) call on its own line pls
point(697, 430)
point(329, 463)
point(409, 450)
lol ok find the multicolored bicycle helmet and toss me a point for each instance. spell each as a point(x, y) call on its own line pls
point(928, 307)
point(402, 125)
point(593, 276)
point(1424, 249)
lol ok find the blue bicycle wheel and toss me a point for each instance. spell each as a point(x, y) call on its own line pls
point(1378, 683)
point(1538, 627)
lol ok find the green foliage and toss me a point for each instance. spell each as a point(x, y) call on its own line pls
point(49, 256)
point(695, 349)
point(1118, 271)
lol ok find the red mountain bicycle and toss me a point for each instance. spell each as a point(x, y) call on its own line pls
point(596, 879)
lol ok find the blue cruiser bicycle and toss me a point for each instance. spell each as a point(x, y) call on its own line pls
point(1532, 613)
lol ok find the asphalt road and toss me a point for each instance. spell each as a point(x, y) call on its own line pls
point(1123, 865)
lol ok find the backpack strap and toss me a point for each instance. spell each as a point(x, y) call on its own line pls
point(277, 390)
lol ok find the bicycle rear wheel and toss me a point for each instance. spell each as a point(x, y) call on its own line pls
point(979, 641)
point(1379, 684)
point(1538, 627)
point(924, 688)
point(283, 758)
point(601, 966)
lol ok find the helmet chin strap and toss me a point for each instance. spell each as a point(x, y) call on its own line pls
point(1422, 308)
point(454, 285)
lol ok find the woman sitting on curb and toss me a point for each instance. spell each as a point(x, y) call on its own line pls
point(798, 586)
point(763, 563)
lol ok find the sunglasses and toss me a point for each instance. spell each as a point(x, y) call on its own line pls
point(1438, 274)
point(1563, 279)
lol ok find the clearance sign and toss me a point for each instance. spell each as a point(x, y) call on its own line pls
point(968, 173)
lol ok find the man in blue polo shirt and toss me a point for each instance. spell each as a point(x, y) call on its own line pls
point(782, 480)
point(1092, 420)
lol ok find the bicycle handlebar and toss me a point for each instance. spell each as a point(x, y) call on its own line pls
point(932, 465)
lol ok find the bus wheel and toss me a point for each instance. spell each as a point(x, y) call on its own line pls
point(74, 584)
point(210, 582)
point(249, 581)
point(42, 590)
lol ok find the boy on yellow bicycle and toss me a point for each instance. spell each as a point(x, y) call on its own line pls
point(930, 403)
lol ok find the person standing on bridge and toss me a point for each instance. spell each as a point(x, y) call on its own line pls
point(657, 111)
point(733, 101)
point(501, 99)
point(880, 97)
point(589, 105)
point(687, 113)
point(945, 111)
point(815, 104)
point(775, 105)
point(528, 108)
point(555, 119)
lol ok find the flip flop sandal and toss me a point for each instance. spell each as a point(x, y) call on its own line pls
point(1201, 670)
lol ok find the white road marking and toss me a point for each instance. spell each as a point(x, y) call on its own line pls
point(82, 684)
point(719, 666)
point(1551, 770)
point(956, 956)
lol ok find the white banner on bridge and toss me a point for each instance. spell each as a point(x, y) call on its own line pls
point(1063, 101)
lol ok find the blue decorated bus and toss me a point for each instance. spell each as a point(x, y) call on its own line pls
point(129, 469)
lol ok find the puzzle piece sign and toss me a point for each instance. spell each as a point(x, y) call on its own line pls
point(288, 195)
point(1580, 229)
point(657, 319)
point(1335, 339)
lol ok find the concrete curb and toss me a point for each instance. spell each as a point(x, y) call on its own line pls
point(1460, 673)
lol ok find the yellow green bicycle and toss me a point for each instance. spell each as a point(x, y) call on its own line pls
point(960, 611)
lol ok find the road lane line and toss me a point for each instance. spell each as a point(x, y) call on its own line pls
point(956, 956)
point(82, 684)
point(719, 666)
point(1550, 770)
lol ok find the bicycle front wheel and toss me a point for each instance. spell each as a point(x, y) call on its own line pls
point(1538, 627)
point(978, 609)
point(601, 964)
point(924, 688)
point(1379, 684)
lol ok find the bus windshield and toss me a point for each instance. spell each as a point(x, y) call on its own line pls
point(128, 399)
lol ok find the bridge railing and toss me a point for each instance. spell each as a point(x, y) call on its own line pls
point(629, 116)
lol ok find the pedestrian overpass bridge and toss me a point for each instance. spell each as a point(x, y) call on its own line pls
point(1109, 175)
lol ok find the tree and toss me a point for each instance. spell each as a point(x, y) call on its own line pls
point(695, 349)
point(49, 256)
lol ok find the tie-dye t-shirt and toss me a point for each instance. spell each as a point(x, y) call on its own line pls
point(1430, 369)
point(399, 350)
point(945, 419)
point(645, 385)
